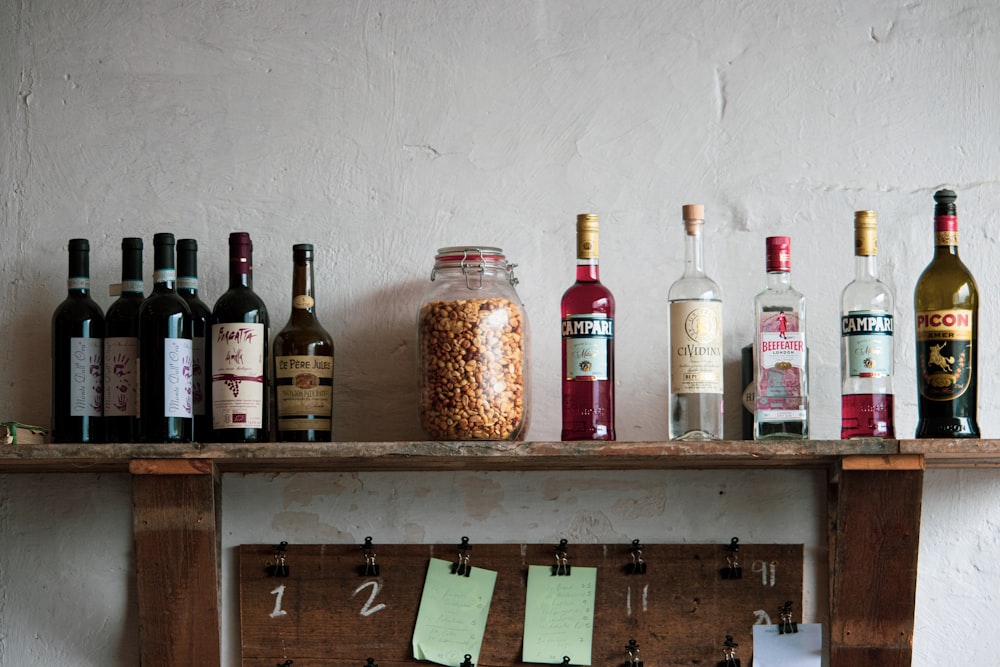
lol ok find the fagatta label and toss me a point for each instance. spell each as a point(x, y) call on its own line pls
point(781, 360)
point(696, 347)
point(304, 392)
point(238, 375)
point(944, 353)
point(587, 339)
point(868, 336)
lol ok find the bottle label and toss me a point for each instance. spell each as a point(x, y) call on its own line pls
point(588, 340)
point(944, 353)
point(177, 377)
point(121, 377)
point(781, 360)
point(165, 275)
point(303, 301)
point(304, 392)
point(86, 381)
point(238, 375)
point(696, 347)
point(868, 335)
point(187, 282)
point(132, 286)
point(198, 375)
point(78, 283)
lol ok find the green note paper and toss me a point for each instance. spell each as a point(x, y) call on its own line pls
point(452, 615)
point(559, 615)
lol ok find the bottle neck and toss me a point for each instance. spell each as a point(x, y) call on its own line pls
point(779, 280)
point(78, 279)
point(587, 270)
point(240, 271)
point(303, 289)
point(187, 270)
point(865, 267)
point(694, 254)
point(945, 235)
point(164, 271)
point(132, 269)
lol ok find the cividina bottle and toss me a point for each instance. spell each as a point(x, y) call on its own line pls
point(237, 353)
point(866, 358)
point(187, 288)
point(946, 304)
point(696, 351)
point(588, 344)
point(165, 357)
point(781, 377)
point(303, 361)
point(78, 356)
point(121, 349)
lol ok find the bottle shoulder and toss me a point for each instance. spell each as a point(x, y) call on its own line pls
point(239, 304)
point(867, 295)
point(162, 304)
point(78, 305)
point(697, 288)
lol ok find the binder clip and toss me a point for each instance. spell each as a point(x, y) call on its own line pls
point(279, 566)
point(370, 568)
point(729, 658)
point(785, 624)
point(467, 662)
point(632, 654)
point(461, 567)
point(734, 571)
point(565, 660)
point(370, 662)
point(286, 663)
point(638, 565)
point(562, 567)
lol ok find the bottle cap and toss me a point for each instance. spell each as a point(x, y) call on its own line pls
point(587, 227)
point(865, 236)
point(779, 254)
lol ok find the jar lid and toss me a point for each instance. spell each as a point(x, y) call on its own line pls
point(473, 258)
point(462, 252)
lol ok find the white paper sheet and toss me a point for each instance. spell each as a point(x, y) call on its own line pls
point(801, 649)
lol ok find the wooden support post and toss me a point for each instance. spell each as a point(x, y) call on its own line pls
point(175, 521)
point(875, 530)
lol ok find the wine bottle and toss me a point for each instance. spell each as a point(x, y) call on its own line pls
point(165, 357)
point(303, 361)
point(78, 356)
point(946, 303)
point(187, 288)
point(588, 344)
point(121, 349)
point(866, 351)
point(696, 352)
point(237, 353)
point(781, 376)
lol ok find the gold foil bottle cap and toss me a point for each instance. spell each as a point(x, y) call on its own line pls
point(586, 236)
point(865, 233)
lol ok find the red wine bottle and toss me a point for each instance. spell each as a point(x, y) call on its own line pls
point(165, 354)
point(588, 345)
point(78, 356)
point(237, 353)
point(121, 349)
point(187, 288)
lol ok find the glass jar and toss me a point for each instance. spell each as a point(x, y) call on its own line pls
point(473, 348)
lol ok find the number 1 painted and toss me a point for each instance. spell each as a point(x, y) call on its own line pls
point(278, 611)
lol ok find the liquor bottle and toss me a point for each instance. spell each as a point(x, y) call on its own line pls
point(78, 356)
point(866, 350)
point(946, 303)
point(588, 344)
point(237, 353)
point(121, 349)
point(781, 377)
point(696, 411)
point(303, 361)
point(187, 288)
point(165, 354)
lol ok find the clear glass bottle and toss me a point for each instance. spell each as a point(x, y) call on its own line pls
point(780, 372)
point(866, 352)
point(473, 348)
point(588, 344)
point(696, 343)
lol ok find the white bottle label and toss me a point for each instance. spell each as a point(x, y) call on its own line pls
point(176, 377)
point(588, 340)
point(86, 386)
point(121, 377)
point(869, 343)
point(696, 347)
point(782, 366)
point(238, 375)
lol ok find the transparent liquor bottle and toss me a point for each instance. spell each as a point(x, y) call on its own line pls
point(866, 359)
point(781, 377)
point(696, 344)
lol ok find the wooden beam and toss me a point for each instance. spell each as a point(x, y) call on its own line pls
point(176, 525)
point(874, 543)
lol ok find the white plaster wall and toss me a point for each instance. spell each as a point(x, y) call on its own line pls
point(383, 130)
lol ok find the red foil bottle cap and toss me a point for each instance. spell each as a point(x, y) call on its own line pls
point(779, 254)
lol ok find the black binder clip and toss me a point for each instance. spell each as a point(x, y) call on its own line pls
point(638, 565)
point(565, 660)
point(279, 566)
point(785, 624)
point(562, 567)
point(286, 663)
point(468, 661)
point(370, 662)
point(461, 567)
point(632, 654)
point(734, 571)
point(729, 658)
point(370, 568)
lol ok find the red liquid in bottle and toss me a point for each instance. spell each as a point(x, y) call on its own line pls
point(866, 416)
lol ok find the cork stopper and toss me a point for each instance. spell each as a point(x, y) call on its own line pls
point(693, 212)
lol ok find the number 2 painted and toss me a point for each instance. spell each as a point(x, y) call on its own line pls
point(367, 609)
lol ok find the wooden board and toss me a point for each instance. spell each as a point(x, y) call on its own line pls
point(679, 612)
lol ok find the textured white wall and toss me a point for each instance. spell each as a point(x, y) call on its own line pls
point(383, 130)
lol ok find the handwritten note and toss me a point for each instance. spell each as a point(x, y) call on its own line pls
point(451, 619)
point(801, 649)
point(559, 615)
